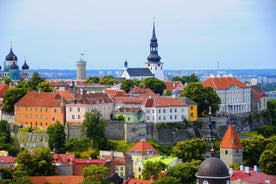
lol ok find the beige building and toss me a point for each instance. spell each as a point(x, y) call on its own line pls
point(81, 69)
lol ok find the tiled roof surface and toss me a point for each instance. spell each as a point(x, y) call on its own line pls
point(187, 101)
point(139, 72)
point(64, 159)
point(90, 161)
point(136, 181)
point(223, 82)
point(3, 89)
point(115, 93)
point(253, 177)
point(167, 102)
point(40, 99)
point(65, 94)
point(230, 139)
point(143, 146)
point(137, 90)
point(174, 85)
point(56, 179)
point(257, 92)
point(7, 159)
point(128, 100)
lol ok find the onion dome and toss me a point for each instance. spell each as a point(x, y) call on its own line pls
point(125, 64)
point(213, 167)
point(14, 66)
point(25, 66)
point(11, 56)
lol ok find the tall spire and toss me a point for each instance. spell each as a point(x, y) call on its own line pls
point(153, 56)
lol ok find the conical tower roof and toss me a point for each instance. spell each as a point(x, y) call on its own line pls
point(230, 139)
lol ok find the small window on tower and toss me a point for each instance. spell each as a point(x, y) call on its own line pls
point(158, 64)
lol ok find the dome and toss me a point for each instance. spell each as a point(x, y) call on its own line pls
point(14, 66)
point(11, 56)
point(213, 167)
point(25, 66)
point(154, 57)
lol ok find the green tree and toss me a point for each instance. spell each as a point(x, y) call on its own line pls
point(44, 86)
point(108, 80)
point(186, 79)
point(153, 168)
point(189, 150)
point(94, 79)
point(266, 130)
point(184, 171)
point(38, 164)
point(204, 96)
point(11, 96)
point(93, 127)
point(267, 161)
point(57, 137)
point(128, 84)
point(5, 135)
point(34, 81)
point(167, 92)
point(94, 174)
point(77, 144)
point(12, 176)
point(156, 85)
point(271, 108)
point(167, 180)
point(6, 80)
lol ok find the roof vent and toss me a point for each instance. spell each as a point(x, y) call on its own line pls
point(241, 168)
point(247, 169)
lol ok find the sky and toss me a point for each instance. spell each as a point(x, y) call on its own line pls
point(192, 35)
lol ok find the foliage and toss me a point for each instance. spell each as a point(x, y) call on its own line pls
point(12, 176)
point(34, 81)
point(11, 96)
point(203, 96)
point(167, 92)
point(186, 79)
point(57, 137)
point(156, 85)
point(271, 107)
point(95, 174)
point(266, 130)
point(152, 168)
point(94, 79)
point(189, 150)
point(167, 179)
point(128, 84)
point(234, 165)
point(4, 132)
point(37, 164)
point(93, 127)
point(185, 171)
point(163, 150)
point(108, 80)
point(6, 80)
point(119, 145)
point(44, 86)
point(77, 144)
point(268, 161)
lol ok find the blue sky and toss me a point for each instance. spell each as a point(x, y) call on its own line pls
point(192, 35)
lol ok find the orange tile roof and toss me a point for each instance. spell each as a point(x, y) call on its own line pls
point(65, 94)
point(174, 85)
point(257, 92)
point(223, 82)
point(42, 99)
point(115, 93)
point(136, 181)
point(3, 89)
point(56, 179)
point(142, 146)
point(167, 102)
point(141, 90)
point(230, 139)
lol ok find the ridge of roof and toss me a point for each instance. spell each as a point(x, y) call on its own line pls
point(230, 139)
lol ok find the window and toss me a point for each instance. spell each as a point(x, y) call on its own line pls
point(46, 110)
point(55, 110)
point(131, 152)
point(139, 169)
point(192, 107)
point(79, 117)
point(159, 110)
point(159, 117)
point(73, 116)
point(226, 152)
point(138, 152)
point(170, 116)
point(164, 117)
point(148, 118)
point(70, 109)
point(78, 109)
point(128, 118)
point(152, 110)
point(170, 110)
point(53, 119)
point(148, 110)
point(122, 168)
point(164, 110)
point(149, 152)
point(175, 116)
point(155, 68)
point(175, 110)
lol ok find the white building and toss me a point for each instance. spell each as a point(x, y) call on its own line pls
point(235, 96)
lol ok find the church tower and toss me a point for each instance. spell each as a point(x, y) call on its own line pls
point(231, 147)
point(154, 64)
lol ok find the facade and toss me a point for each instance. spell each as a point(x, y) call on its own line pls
point(131, 114)
point(85, 102)
point(11, 69)
point(39, 109)
point(140, 152)
point(231, 147)
point(81, 69)
point(235, 96)
point(192, 111)
point(153, 67)
point(258, 99)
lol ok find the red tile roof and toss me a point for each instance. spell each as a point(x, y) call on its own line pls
point(174, 85)
point(252, 177)
point(7, 159)
point(136, 181)
point(90, 161)
point(143, 146)
point(56, 179)
point(115, 93)
point(3, 89)
point(141, 90)
point(167, 102)
point(257, 92)
point(66, 94)
point(223, 82)
point(41, 99)
point(230, 139)
point(64, 159)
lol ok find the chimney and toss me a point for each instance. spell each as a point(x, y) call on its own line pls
point(255, 168)
point(231, 171)
point(241, 168)
point(247, 170)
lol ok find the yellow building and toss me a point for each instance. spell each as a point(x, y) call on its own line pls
point(192, 112)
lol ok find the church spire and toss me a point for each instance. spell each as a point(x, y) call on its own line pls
point(153, 56)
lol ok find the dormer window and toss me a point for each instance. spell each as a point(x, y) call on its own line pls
point(131, 152)
point(138, 152)
point(149, 152)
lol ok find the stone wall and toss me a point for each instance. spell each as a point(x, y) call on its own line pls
point(31, 140)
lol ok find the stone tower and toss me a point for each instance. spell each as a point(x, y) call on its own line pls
point(154, 63)
point(231, 147)
point(81, 70)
